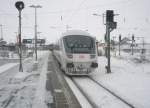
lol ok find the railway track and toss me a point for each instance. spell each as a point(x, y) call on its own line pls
point(114, 94)
point(88, 97)
point(93, 103)
point(63, 95)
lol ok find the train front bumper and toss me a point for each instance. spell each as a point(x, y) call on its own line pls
point(80, 68)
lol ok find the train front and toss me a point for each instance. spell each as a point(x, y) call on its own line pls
point(81, 54)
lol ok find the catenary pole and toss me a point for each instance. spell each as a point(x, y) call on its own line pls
point(35, 29)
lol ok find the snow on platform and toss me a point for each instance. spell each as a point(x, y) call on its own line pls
point(7, 66)
point(40, 99)
point(21, 89)
point(21, 75)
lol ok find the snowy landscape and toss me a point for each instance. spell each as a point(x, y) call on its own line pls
point(129, 79)
point(19, 89)
point(74, 54)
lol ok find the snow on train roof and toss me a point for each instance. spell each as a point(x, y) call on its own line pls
point(76, 32)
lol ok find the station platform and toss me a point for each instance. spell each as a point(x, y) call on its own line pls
point(63, 96)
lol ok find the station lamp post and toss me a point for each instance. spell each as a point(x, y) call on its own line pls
point(20, 5)
point(35, 7)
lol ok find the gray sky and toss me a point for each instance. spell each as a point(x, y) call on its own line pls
point(133, 18)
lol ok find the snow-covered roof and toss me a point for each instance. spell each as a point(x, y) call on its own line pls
point(75, 32)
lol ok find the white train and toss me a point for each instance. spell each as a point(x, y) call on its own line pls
point(76, 52)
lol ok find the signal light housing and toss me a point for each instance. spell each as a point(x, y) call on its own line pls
point(109, 16)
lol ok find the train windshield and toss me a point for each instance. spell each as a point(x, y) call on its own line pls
point(79, 44)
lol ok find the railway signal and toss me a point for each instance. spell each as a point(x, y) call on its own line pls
point(20, 5)
point(110, 26)
point(109, 16)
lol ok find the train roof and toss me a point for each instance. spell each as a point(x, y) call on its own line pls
point(76, 32)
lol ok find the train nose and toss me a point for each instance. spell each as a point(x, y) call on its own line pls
point(94, 65)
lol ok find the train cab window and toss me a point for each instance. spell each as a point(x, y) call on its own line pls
point(79, 44)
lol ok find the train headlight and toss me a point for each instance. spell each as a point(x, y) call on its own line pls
point(94, 65)
point(69, 65)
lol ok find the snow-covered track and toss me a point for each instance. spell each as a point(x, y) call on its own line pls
point(63, 95)
point(113, 93)
point(89, 91)
point(84, 94)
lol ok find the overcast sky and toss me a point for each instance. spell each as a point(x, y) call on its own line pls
point(134, 18)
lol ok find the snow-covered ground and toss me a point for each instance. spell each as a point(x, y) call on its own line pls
point(7, 66)
point(129, 79)
point(23, 89)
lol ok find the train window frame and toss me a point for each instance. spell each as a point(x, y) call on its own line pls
point(89, 49)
